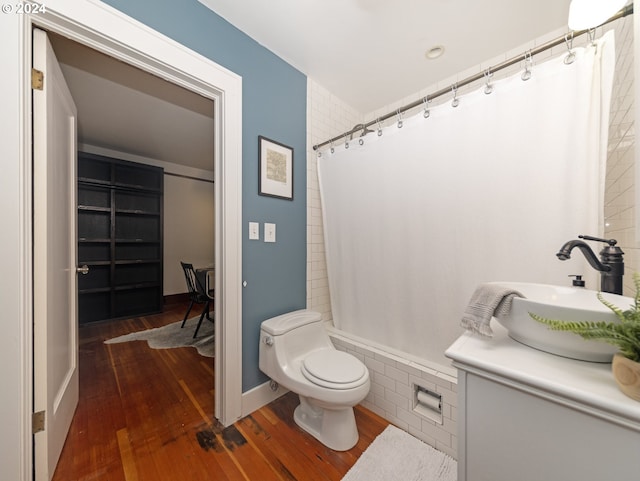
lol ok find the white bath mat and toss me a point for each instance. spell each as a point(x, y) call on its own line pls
point(397, 456)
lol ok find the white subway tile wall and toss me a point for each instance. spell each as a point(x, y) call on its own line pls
point(619, 205)
point(392, 393)
point(327, 116)
point(392, 377)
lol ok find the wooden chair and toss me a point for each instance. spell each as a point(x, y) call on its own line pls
point(197, 295)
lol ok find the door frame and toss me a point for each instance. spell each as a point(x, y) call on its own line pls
point(109, 31)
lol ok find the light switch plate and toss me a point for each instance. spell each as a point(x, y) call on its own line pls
point(254, 230)
point(269, 232)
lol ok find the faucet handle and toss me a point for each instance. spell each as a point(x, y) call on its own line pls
point(611, 242)
point(577, 282)
point(610, 254)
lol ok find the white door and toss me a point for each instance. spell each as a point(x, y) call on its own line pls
point(55, 328)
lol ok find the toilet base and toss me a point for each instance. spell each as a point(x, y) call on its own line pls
point(335, 428)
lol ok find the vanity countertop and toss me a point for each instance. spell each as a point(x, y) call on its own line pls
point(586, 385)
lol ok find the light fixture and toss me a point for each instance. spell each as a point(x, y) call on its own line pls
point(586, 14)
point(434, 52)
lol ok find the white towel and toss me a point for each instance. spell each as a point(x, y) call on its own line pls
point(488, 300)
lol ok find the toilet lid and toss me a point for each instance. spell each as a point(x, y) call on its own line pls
point(333, 368)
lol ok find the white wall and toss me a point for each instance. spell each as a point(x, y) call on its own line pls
point(188, 229)
point(189, 216)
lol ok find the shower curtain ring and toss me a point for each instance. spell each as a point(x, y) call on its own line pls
point(571, 56)
point(455, 102)
point(379, 127)
point(346, 142)
point(400, 123)
point(592, 37)
point(488, 88)
point(331, 145)
point(528, 61)
point(426, 101)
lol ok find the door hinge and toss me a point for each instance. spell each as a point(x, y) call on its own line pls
point(37, 422)
point(37, 79)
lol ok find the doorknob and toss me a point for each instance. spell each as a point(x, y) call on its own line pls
point(84, 270)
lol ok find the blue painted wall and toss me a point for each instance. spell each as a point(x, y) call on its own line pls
point(274, 98)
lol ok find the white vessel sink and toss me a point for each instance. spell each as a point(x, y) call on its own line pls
point(565, 304)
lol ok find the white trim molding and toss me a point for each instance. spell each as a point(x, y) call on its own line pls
point(107, 30)
point(260, 396)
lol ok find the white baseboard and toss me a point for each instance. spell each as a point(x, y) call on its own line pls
point(260, 396)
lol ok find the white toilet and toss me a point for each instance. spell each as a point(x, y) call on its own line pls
point(296, 352)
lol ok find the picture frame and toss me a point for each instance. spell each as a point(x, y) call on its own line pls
point(275, 169)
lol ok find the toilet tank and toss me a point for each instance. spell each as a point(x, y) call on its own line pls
point(285, 338)
point(279, 325)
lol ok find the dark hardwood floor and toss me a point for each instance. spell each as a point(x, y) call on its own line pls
point(147, 415)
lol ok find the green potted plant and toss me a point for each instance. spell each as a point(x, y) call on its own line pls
point(625, 335)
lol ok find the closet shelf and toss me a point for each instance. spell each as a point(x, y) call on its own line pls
point(139, 285)
point(85, 240)
point(94, 263)
point(120, 217)
point(94, 208)
point(137, 187)
point(137, 212)
point(126, 262)
point(96, 290)
point(90, 181)
point(136, 241)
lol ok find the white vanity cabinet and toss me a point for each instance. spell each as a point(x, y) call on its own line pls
point(525, 415)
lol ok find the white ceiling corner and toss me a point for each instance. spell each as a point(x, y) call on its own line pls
point(371, 53)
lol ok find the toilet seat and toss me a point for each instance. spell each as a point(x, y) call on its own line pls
point(333, 369)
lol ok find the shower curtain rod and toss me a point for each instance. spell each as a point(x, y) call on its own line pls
point(628, 10)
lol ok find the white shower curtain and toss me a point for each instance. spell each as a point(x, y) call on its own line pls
point(487, 191)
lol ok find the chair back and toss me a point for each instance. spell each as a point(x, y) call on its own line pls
point(196, 291)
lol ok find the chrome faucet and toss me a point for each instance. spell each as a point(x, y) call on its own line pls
point(610, 265)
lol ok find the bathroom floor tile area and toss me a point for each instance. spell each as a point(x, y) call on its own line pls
point(148, 414)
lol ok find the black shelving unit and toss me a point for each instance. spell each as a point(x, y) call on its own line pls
point(120, 214)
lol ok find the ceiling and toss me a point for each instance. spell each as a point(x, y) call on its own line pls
point(125, 109)
point(368, 53)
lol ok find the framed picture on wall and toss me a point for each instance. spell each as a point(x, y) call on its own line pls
point(275, 169)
